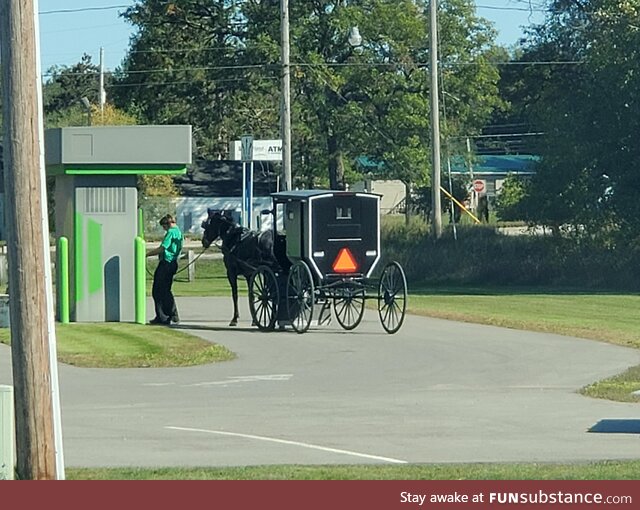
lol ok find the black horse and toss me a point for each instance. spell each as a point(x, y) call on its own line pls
point(243, 250)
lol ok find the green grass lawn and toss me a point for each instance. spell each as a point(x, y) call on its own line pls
point(126, 345)
point(607, 470)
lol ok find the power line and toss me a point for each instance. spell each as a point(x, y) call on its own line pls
point(182, 82)
point(85, 9)
point(496, 8)
point(502, 135)
point(421, 65)
point(537, 8)
point(166, 70)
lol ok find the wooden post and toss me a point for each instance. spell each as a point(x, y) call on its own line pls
point(191, 268)
point(24, 207)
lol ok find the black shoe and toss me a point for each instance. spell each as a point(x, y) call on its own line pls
point(175, 319)
point(158, 322)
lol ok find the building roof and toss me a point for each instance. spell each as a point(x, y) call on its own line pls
point(496, 164)
point(213, 178)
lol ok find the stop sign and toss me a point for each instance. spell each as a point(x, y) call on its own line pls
point(479, 185)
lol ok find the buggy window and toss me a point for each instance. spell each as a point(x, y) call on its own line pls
point(280, 219)
point(343, 213)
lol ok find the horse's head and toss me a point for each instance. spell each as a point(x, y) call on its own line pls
point(211, 227)
point(214, 226)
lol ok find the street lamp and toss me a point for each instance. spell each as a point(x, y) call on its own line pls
point(85, 102)
point(355, 39)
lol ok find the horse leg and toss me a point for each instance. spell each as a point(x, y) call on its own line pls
point(233, 281)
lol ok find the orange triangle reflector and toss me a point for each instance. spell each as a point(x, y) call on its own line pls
point(345, 263)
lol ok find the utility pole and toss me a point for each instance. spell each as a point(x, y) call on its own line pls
point(474, 196)
point(103, 95)
point(435, 123)
point(285, 107)
point(31, 306)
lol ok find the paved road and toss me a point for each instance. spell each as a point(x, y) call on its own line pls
point(438, 391)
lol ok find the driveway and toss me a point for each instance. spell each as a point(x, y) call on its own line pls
point(438, 391)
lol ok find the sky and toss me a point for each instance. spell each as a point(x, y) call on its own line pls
point(70, 28)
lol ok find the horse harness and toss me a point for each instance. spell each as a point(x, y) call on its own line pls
point(235, 232)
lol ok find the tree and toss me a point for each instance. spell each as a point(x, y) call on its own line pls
point(66, 87)
point(590, 113)
point(459, 189)
point(509, 200)
point(183, 67)
point(374, 100)
point(215, 65)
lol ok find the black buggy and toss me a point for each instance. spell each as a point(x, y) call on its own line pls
point(326, 245)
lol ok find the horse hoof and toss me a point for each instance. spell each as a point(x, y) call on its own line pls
point(233, 323)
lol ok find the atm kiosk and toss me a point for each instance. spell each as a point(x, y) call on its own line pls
point(96, 208)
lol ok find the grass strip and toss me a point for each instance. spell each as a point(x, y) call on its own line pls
point(604, 470)
point(126, 345)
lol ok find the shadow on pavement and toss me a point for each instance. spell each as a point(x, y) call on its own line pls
point(618, 426)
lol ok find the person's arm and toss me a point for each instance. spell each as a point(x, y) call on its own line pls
point(155, 251)
point(166, 242)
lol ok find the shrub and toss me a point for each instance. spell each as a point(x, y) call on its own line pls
point(480, 255)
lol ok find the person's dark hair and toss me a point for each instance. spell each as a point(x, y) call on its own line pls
point(166, 220)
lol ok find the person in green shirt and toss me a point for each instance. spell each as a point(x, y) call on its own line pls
point(168, 253)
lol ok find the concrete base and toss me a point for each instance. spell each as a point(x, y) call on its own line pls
point(7, 437)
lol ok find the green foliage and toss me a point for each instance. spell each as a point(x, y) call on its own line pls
point(193, 62)
point(184, 67)
point(61, 97)
point(483, 256)
point(589, 111)
point(75, 115)
point(422, 198)
point(508, 203)
point(66, 86)
point(63, 93)
point(157, 186)
point(621, 388)
point(153, 208)
point(111, 116)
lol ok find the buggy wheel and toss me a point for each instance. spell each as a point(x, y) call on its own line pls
point(348, 304)
point(263, 298)
point(392, 297)
point(300, 296)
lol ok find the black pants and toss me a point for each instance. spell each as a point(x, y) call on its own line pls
point(163, 299)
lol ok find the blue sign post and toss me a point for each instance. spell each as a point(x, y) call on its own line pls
point(246, 145)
